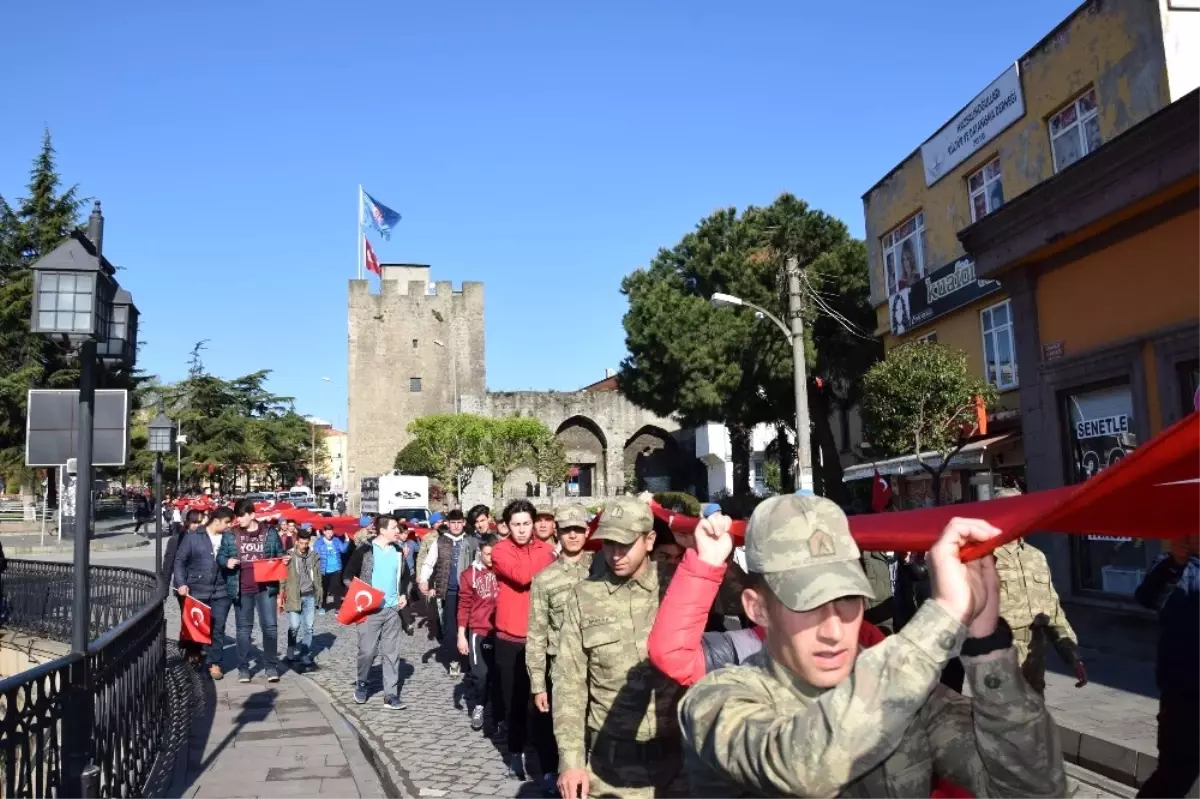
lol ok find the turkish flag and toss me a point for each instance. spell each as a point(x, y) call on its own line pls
point(881, 493)
point(269, 570)
point(372, 261)
point(196, 624)
point(360, 600)
point(1151, 493)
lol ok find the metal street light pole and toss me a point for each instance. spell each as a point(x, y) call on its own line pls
point(162, 439)
point(180, 440)
point(795, 337)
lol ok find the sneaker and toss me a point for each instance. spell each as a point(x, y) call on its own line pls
point(549, 786)
point(322, 611)
point(309, 665)
point(273, 677)
point(215, 672)
point(477, 718)
point(393, 703)
point(360, 693)
point(243, 676)
point(516, 766)
point(455, 669)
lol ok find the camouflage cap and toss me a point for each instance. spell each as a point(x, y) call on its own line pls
point(623, 520)
point(572, 515)
point(803, 548)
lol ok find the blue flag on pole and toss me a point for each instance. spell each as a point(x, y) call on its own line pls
point(382, 218)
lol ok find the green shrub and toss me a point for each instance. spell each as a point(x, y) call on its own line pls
point(679, 501)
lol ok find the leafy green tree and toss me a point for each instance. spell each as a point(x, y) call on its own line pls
point(921, 401)
point(703, 364)
point(550, 462)
point(445, 447)
point(510, 444)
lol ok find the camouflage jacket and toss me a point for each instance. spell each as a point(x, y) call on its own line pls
point(547, 603)
point(603, 679)
point(423, 550)
point(1028, 598)
point(757, 730)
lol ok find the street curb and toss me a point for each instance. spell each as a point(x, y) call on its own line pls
point(1125, 765)
point(98, 545)
point(369, 772)
point(1081, 776)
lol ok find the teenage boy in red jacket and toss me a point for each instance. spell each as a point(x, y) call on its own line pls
point(476, 629)
point(516, 560)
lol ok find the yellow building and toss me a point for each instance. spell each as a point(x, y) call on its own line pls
point(1106, 68)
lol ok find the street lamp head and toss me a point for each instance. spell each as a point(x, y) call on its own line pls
point(724, 300)
point(162, 432)
point(73, 292)
point(120, 345)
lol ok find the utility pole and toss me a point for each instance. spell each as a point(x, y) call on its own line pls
point(804, 472)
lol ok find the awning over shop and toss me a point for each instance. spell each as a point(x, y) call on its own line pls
point(970, 456)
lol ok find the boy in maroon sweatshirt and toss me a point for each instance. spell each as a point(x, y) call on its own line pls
point(477, 594)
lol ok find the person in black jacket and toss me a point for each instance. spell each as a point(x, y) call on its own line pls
point(197, 574)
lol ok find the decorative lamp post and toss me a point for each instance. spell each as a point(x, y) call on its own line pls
point(120, 344)
point(180, 440)
point(74, 290)
point(162, 439)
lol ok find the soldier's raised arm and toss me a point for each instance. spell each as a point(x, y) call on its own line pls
point(570, 704)
point(848, 730)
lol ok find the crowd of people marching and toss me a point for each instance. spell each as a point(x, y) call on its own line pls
point(604, 647)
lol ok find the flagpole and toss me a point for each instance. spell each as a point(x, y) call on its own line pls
point(359, 238)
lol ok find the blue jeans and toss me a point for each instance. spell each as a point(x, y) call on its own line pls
point(302, 622)
point(220, 612)
point(245, 608)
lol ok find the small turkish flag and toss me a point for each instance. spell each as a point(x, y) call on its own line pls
point(372, 263)
point(196, 625)
point(269, 570)
point(881, 493)
point(360, 600)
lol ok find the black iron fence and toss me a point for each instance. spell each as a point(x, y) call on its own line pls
point(125, 686)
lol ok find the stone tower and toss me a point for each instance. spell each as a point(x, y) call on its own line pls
point(414, 349)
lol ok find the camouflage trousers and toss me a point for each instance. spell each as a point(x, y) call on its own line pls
point(1031, 644)
point(635, 770)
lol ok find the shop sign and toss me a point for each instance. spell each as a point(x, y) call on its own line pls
point(937, 294)
point(369, 499)
point(1052, 350)
point(986, 117)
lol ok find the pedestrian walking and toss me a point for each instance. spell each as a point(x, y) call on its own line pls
point(1172, 587)
point(247, 542)
point(192, 650)
point(547, 603)
point(1030, 605)
point(330, 549)
point(476, 630)
point(299, 597)
point(881, 610)
point(811, 716)
point(516, 560)
point(479, 520)
point(378, 563)
point(198, 573)
point(614, 714)
point(448, 557)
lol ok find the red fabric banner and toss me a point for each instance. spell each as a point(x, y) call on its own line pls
point(196, 623)
point(269, 570)
point(360, 600)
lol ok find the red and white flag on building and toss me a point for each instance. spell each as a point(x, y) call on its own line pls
point(360, 600)
point(196, 624)
point(372, 260)
point(881, 493)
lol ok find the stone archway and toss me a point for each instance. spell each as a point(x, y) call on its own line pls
point(587, 453)
point(651, 460)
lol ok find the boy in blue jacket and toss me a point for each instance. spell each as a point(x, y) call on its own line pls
point(330, 549)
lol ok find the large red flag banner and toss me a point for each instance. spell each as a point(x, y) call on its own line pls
point(269, 570)
point(195, 622)
point(1152, 493)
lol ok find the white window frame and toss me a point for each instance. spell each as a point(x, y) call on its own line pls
point(891, 245)
point(1074, 128)
point(931, 336)
point(985, 188)
point(994, 332)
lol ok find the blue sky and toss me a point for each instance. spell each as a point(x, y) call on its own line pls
point(545, 148)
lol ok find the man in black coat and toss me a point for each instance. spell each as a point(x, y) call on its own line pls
point(197, 574)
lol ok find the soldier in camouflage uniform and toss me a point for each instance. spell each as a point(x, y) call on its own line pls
point(547, 602)
point(614, 713)
point(810, 715)
point(1029, 603)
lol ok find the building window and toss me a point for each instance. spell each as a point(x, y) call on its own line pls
point(904, 254)
point(929, 338)
point(987, 190)
point(1100, 433)
point(414, 384)
point(1000, 363)
point(414, 343)
point(1075, 130)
